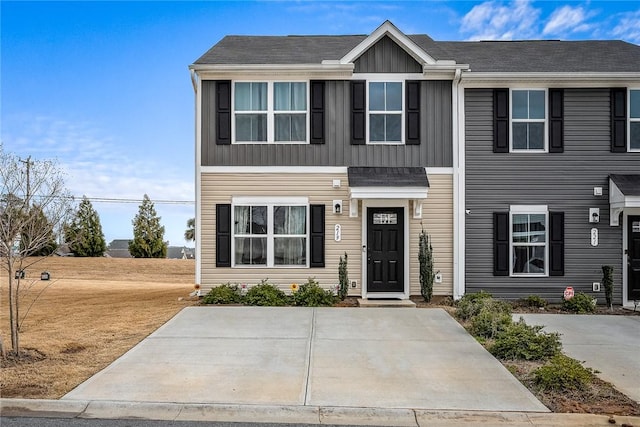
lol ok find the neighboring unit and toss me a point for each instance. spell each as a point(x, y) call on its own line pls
point(310, 147)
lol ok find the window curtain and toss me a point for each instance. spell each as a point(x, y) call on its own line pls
point(290, 221)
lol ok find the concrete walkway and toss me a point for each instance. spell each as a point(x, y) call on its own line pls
point(379, 358)
point(609, 344)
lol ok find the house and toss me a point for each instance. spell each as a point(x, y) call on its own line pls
point(310, 147)
point(119, 248)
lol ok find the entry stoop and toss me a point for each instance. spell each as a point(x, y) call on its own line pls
point(399, 303)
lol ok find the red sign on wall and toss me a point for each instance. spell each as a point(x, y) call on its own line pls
point(568, 292)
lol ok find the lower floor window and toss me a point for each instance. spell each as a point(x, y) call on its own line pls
point(529, 240)
point(270, 234)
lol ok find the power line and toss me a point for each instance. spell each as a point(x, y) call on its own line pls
point(120, 200)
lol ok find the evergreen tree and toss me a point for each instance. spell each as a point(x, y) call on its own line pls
point(84, 234)
point(190, 232)
point(148, 234)
point(38, 235)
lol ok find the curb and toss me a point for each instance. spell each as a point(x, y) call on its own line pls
point(87, 409)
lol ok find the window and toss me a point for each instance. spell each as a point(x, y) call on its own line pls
point(270, 111)
point(634, 119)
point(528, 120)
point(385, 112)
point(270, 234)
point(528, 240)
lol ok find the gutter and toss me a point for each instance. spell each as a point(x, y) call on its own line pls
point(459, 211)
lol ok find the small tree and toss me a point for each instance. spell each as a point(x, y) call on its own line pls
point(148, 234)
point(84, 235)
point(33, 202)
point(425, 259)
point(343, 278)
point(190, 232)
point(607, 282)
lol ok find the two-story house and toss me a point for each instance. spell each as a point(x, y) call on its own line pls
point(310, 147)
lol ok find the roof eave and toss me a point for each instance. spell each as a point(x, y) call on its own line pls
point(572, 78)
point(328, 70)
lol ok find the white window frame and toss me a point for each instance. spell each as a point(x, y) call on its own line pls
point(402, 111)
point(270, 203)
point(529, 210)
point(545, 120)
point(631, 119)
point(271, 111)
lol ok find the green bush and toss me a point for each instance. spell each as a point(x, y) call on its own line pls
point(223, 294)
point(533, 301)
point(312, 295)
point(521, 341)
point(563, 373)
point(494, 317)
point(266, 294)
point(581, 303)
point(470, 305)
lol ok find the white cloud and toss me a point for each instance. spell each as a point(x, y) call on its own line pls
point(568, 19)
point(628, 27)
point(494, 20)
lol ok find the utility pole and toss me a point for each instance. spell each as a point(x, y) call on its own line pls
point(28, 164)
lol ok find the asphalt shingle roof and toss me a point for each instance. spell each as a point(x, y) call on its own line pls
point(628, 184)
point(483, 56)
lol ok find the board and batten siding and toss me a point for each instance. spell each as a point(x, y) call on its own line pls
point(435, 148)
point(221, 187)
point(385, 56)
point(562, 181)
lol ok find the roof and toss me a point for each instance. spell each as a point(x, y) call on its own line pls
point(482, 56)
point(629, 185)
point(387, 177)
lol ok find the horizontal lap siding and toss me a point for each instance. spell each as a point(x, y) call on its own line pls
point(437, 220)
point(563, 181)
point(435, 149)
point(219, 188)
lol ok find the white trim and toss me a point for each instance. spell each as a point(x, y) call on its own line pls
point(275, 169)
point(573, 79)
point(626, 302)
point(388, 192)
point(198, 177)
point(459, 209)
point(619, 202)
point(440, 171)
point(376, 203)
point(530, 209)
point(631, 119)
point(388, 29)
point(381, 79)
point(269, 200)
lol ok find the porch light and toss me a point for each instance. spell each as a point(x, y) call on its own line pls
point(45, 275)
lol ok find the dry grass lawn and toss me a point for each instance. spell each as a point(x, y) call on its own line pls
point(94, 310)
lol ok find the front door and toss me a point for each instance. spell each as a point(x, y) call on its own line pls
point(385, 250)
point(633, 257)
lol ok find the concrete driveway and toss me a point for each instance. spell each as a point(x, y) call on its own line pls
point(609, 344)
point(341, 357)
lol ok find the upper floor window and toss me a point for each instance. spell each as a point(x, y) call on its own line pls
point(528, 240)
point(528, 120)
point(385, 112)
point(634, 119)
point(270, 111)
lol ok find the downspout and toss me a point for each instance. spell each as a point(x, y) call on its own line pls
point(198, 139)
point(458, 188)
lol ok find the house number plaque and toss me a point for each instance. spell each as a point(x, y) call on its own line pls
point(338, 232)
point(594, 237)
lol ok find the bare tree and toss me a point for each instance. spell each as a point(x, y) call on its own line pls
point(33, 203)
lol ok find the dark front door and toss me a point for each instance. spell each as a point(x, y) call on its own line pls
point(385, 250)
point(633, 256)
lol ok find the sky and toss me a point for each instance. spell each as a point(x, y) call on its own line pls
point(103, 87)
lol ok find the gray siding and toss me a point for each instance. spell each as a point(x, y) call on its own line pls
point(386, 57)
point(563, 181)
point(435, 149)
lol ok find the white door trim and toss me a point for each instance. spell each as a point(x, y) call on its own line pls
point(625, 246)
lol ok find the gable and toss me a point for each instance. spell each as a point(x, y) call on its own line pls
point(386, 56)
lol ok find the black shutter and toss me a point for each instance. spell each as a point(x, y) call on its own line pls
point(413, 113)
point(358, 112)
point(223, 112)
point(223, 235)
point(501, 121)
point(500, 243)
point(317, 112)
point(556, 120)
point(317, 236)
point(556, 243)
point(618, 120)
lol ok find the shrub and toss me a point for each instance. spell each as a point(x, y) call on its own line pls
point(470, 304)
point(580, 303)
point(223, 294)
point(266, 294)
point(343, 278)
point(312, 295)
point(494, 317)
point(563, 373)
point(533, 301)
point(521, 341)
point(425, 260)
point(607, 282)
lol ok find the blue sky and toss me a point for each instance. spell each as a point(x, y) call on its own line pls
point(104, 88)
